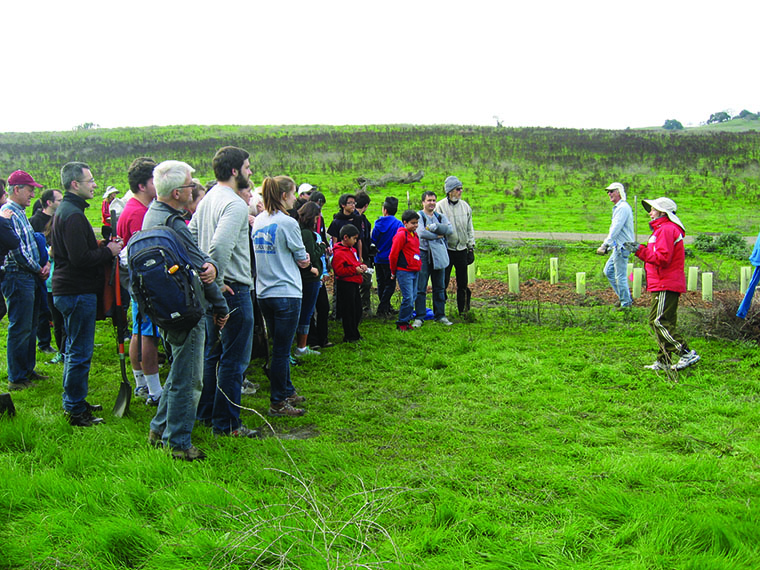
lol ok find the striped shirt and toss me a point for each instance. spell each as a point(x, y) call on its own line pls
point(26, 257)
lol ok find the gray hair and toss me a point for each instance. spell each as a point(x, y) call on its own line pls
point(72, 171)
point(170, 174)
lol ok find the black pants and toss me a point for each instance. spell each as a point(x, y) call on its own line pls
point(458, 261)
point(318, 328)
point(385, 287)
point(350, 307)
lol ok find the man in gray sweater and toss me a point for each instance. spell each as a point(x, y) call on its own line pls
point(220, 225)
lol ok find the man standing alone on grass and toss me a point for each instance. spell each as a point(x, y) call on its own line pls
point(174, 419)
point(664, 258)
point(21, 285)
point(460, 242)
point(144, 358)
point(220, 226)
point(432, 231)
point(621, 232)
point(77, 279)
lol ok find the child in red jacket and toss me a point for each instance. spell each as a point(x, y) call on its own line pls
point(664, 257)
point(348, 274)
point(405, 266)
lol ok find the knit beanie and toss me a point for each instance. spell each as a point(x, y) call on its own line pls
point(451, 183)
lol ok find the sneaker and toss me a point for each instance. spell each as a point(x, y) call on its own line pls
point(34, 375)
point(306, 351)
point(686, 360)
point(444, 321)
point(57, 359)
point(416, 323)
point(152, 401)
point(293, 361)
point(244, 431)
point(327, 344)
point(404, 327)
point(657, 365)
point(155, 439)
point(22, 385)
point(249, 388)
point(85, 419)
point(192, 453)
point(47, 349)
point(295, 398)
point(142, 392)
point(284, 409)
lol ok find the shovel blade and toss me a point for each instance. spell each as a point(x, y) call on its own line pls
point(121, 407)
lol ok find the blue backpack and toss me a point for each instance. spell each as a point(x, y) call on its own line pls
point(164, 283)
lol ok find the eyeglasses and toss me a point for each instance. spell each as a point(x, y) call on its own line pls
point(350, 203)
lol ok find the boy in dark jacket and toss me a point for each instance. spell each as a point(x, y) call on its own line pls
point(382, 236)
point(405, 266)
point(348, 274)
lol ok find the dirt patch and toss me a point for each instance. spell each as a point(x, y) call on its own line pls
point(307, 431)
point(564, 294)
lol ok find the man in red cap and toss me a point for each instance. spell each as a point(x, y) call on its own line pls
point(22, 270)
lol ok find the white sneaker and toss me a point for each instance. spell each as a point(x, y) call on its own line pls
point(657, 365)
point(306, 351)
point(417, 323)
point(444, 321)
point(686, 360)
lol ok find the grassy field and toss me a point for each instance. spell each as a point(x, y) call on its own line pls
point(495, 443)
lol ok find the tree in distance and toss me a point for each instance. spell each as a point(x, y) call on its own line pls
point(672, 125)
point(747, 115)
point(719, 117)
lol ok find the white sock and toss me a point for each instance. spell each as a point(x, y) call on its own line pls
point(154, 385)
point(139, 378)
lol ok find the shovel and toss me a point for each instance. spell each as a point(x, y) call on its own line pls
point(121, 407)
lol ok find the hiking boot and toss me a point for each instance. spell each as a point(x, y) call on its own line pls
point(295, 398)
point(155, 439)
point(444, 321)
point(686, 360)
point(192, 453)
point(21, 385)
point(249, 388)
point(34, 375)
point(152, 401)
point(246, 432)
point(47, 349)
point(93, 407)
point(85, 419)
point(284, 409)
point(306, 351)
point(657, 365)
point(142, 392)
point(416, 323)
point(57, 359)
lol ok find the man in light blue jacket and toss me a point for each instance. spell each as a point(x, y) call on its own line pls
point(621, 232)
point(433, 229)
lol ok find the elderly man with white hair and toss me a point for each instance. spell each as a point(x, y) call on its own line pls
point(621, 232)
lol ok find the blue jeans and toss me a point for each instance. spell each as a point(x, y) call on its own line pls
point(407, 284)
point(226, 361)
point(616, 270)
point(281, 315)
point(437, 278)
point(79, 313)
point(308, 302)
point(20, 291)
point(176, 410)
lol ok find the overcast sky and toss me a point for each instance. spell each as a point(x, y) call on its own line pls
point(580, 64)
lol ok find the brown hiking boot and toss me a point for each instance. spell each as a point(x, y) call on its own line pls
point(192, 453)
point(284, 409)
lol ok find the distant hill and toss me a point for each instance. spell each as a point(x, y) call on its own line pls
point(734, 126)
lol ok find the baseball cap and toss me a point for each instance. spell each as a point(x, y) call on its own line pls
point(22, 178)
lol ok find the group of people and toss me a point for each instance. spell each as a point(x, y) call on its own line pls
point(263, 252)
point(664, 263)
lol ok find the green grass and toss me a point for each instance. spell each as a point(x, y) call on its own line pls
point(490, 444)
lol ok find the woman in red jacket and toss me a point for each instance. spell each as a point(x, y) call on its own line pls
point(664, 257)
